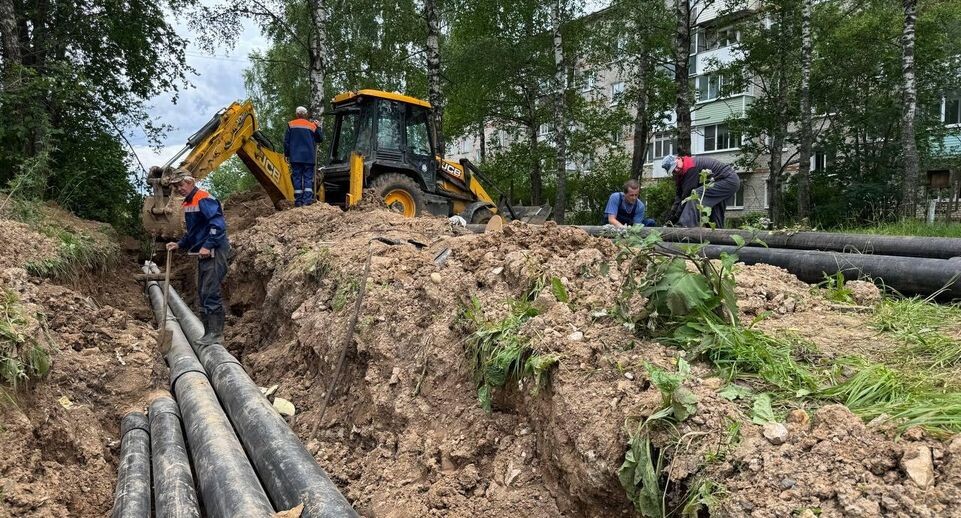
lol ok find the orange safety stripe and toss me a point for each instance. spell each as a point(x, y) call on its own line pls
point(302, 123)
point(194, 203)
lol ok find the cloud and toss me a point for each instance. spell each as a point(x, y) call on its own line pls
point(218, 82)
point(149, 156)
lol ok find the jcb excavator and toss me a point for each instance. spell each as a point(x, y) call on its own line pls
point(381, 141)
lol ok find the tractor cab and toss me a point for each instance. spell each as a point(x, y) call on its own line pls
point(393, 135)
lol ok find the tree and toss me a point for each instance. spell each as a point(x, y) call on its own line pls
point(682, 58)
point(910, 100)
point(434, 95)
point(806, 133)
point(83, 73)
point(560, 122)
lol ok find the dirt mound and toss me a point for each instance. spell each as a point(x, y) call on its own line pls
point(404, 433)
point(59, 435)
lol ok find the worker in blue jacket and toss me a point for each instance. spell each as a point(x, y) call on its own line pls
point(300, 148)
point(207, 236)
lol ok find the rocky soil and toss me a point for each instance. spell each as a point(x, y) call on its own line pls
point(404, 434)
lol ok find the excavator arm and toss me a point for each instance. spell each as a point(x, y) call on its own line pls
point(231, 131)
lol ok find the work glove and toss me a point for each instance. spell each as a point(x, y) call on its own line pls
point(457, 221)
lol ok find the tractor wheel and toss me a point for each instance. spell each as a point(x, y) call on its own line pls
point(400, 193)
point(481, 216)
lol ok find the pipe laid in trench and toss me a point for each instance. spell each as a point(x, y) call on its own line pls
point(174, 493)
point(289, 472)
point(903, 246)
point(132, 495)
point(229, 487)
point(907, 275)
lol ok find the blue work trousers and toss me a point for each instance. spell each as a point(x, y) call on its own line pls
point(303, 178)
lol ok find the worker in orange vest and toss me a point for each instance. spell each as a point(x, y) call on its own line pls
point(300, 148)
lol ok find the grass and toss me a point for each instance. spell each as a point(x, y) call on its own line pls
point(345, 288)
point(922, 325)
point(315, 263)
point(21, 358)
point(78, 252)
point(912, 227)
point(498, 353)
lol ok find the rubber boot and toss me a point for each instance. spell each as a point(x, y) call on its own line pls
point(213, 329)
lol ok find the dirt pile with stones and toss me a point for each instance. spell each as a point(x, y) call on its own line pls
point(404, 434)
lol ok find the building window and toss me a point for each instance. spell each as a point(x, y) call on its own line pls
point(819, 162)
point(952, 109)
point(661, 146)
point(543, 130)
point(589, 79)
point(718, 137)
point(767, 195)
point(737, 201)
point(709, 87)
point(722, 38)
point(617, 91)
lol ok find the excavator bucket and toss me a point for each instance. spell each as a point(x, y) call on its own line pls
point(532, 214)
point(163, 216)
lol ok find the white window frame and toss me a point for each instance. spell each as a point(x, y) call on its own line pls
point(665, 138)
point(615, 95)
point(741, 189)
point(738, 142)
point(589, 81)
point(944, 110)
point(544, 130)
point(767, 199)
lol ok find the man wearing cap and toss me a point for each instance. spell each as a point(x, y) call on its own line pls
point(687, 175)
point(300, 148)
point(207, 236)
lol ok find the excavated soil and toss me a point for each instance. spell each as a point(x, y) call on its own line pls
point(59, 436)
point(403, 434)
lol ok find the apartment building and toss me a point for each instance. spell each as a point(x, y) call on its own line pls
point(713, 43)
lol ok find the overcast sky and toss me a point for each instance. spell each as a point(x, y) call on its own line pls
point(218, 81)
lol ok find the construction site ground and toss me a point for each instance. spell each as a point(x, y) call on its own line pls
point(404, 433)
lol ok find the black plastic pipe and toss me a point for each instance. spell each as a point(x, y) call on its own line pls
point(907, 275)
point(132, 495)
point(229, 487)
point(904, 246)
point(288, 471)
point(174, 493)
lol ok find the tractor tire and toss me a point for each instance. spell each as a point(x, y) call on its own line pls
point(481, 216)
point(400, 193)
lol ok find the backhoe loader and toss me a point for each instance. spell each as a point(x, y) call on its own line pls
point(382, 141)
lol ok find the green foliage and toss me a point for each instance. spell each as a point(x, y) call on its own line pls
point(703, 497)
point(680, 399)
point(762, 412)
point(639, 474)
point(230, 178)
point(912, 227)
point(924, 327)
point(835, 290)
point(559, 291)
point(498, 353)
point(63, 115)
point(658, 196)
point(315, 263)
point(22, 358)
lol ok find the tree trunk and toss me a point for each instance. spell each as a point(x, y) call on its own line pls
point(319, 14)
point(682, 57)
point(806, 137)
point(537, 182)
point(11, 45)
point(434, 94)
point(560, 125)
point(482, 157)
point(642, 130)
point(908, 143)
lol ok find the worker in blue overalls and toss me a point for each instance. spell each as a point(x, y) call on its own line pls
point(624, 209)
point(300, 148)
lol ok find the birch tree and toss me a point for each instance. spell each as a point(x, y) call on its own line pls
point(806, 133)
point(434, 93)
point(909, 108)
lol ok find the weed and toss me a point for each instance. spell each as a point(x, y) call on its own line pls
point(920, 324)
point(21, 357)
point(344, 289)
point(745, 353)
point(732, 437)
point(498, 353)
point(639, 474)
point(674, 395)
point(315, 263)
point(835, 290)
point(702, 498)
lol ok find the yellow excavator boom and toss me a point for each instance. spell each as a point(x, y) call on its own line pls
point(231, 131)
